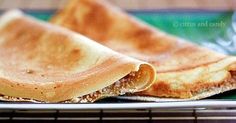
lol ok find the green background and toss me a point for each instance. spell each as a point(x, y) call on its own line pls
point(201, 27)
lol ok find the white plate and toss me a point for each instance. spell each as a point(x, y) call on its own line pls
point(146, 105)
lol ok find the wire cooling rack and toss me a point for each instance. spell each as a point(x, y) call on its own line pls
point(191, 111)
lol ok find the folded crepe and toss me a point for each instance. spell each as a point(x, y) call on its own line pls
point(184, 70)
point(42, 62)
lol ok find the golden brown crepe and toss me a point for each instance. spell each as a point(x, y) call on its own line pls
point(184, 70)
point(46, 63)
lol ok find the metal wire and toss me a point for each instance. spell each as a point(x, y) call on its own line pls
point(148, 115)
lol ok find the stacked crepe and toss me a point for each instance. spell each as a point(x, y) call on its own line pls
point(184, 70)
point(42, 62)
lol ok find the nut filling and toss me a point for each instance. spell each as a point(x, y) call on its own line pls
point(120, 87)
point(225, 85)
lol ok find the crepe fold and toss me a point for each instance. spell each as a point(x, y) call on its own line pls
point(46, 63)
point(184, 70)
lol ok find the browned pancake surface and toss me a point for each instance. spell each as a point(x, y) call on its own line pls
point(183, 69)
